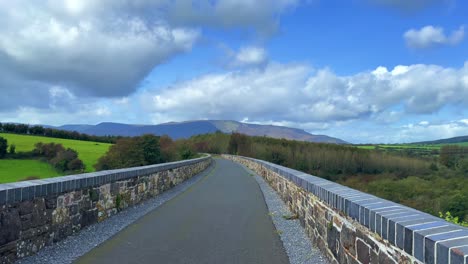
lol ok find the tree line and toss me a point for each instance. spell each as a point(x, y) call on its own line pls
point(145, 150)
point(62, 159)
point(430, 185)
point(38, 130)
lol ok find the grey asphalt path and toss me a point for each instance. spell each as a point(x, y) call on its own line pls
point(220, 219)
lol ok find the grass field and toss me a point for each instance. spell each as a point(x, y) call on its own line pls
point(410, 146)
point(88, 152)
point(16, 170)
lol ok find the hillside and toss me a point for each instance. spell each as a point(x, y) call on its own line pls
point(454, 140)
point(177, 130)
point(89, 152)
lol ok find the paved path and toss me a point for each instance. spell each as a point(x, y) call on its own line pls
point(221, 219)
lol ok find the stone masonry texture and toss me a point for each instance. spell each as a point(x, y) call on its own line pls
point(350, 226)
point(37, 213)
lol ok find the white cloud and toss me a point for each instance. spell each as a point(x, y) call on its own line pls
point(296, 93)
point(423, 123)
point(430, 36)
point(250, 56)
point(424, 132)
point(106, 48)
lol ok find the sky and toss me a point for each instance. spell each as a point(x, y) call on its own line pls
point(365, 71)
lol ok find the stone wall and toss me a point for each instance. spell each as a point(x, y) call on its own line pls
point(34, 214)
point(354, 227)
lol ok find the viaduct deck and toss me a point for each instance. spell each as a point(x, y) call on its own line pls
point(209, 223)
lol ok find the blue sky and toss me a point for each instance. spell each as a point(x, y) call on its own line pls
point(362, 70)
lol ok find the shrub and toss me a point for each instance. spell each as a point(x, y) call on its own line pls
point(131, 152)
point(3, 147)
point(59, 157)
point(12, 149)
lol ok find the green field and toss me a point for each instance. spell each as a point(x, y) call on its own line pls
point(413, 150)
point(17, 170)
point(410, 146)
point(88, 152)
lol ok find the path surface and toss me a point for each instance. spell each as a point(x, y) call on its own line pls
point(221, 219)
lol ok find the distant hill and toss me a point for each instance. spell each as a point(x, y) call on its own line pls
point(453, 140)
point(187, 129)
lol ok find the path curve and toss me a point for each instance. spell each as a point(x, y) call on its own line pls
point(220, 219)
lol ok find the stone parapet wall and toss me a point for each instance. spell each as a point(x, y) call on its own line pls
point(350, 226)
point(34, 214)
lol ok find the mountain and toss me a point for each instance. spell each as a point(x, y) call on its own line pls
point(187, 129)
point(445, 140)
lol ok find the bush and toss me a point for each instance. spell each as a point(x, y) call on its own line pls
point(59, 157)
point(12, 149)
point(76, 165)
point(131, 152)
point(3, 147)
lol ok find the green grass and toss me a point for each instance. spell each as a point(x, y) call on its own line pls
point(16, 170)
point(89, 152)
point(410, 146)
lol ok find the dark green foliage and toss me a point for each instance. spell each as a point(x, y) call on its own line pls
point(452, 155)
point(131, 152)
point(151, 149)
point(400, 176)
point(3, 147)
point(51, 132)
point(185, 150)
point(239, 144)
point(93, 195)
point(37, 130)
point(75, 164)
point(62, 159)
point(12, 149)
point(118, 201)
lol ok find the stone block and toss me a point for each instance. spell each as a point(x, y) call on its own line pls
point(348, 239)
point(333, 240)
point(419, 238)
point(443, 248)
point(363, 252)
point(431, 240)
point(10, 225)
point(26, 207)
point(459, 255)
point(404, 238)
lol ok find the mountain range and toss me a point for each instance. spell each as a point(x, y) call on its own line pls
point(187, 129)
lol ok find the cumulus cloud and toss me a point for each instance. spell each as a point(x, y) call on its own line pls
point(93, 53)
point(297, 93)
point(430, 131)
point(430, 36)
point(106, 48)
point(247, 56)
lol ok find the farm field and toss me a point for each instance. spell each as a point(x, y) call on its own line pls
point(12, 170)
point(89, 152)
point(414, 150)
point(411, 146)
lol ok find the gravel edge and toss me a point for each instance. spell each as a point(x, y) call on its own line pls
point(295, 241)
point(75, 246)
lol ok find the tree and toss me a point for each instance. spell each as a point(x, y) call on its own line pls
point(168, 152)
point(3, 147)
point(149, 144)
point(239, 144)
point(12, 149)
point(131, 152)
point(9, 127)
point(36, 130)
